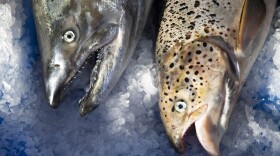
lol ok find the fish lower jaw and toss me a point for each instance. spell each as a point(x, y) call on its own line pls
point(178, 141)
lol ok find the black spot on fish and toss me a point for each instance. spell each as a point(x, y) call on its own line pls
point(181, 67)
point(198, 16)
point(198, 52)
point(190, 12)
point(215, 2)
point(187, 80)
point(188, 36)
point(213, 15)
point(206, 30)
point(196, 4)
point(183, 8)
point(204, 44)
point(171, 65)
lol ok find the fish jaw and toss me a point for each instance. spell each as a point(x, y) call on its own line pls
point(112, 63)
point(197, 73)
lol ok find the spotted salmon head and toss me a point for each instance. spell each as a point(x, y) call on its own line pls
point(205, 50)
point(194, 82)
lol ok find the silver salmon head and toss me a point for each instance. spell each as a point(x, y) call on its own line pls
point(71, 31)
point(205, 50)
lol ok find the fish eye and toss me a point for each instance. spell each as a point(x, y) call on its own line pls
point(180, 106)
point(69, 36)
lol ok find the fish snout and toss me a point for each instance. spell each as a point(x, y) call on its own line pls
point(52, 96)
point(54, 83)
point(178, 143)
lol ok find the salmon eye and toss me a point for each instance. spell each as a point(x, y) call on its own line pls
point(69, 36)
point(180, 106)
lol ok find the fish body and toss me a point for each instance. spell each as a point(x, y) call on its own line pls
point(204, 53)
point(71, 31)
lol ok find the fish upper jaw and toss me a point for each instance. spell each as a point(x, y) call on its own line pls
point(52, 92)
point(54, 76)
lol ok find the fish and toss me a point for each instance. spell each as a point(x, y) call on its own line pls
point(69, 32)
point(204, 53)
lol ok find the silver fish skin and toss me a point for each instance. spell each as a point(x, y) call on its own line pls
point(204, 53)
point(71, 31)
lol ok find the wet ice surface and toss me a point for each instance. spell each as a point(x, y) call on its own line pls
point(128, 122)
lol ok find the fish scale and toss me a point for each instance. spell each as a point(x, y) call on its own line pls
point(196, 21)
point(204, 52)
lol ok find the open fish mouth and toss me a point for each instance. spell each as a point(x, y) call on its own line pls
point(92, 61)
point(179, 143)
point(65, 66)
point(56, 97)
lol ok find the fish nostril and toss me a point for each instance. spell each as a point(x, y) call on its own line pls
point(56, 65)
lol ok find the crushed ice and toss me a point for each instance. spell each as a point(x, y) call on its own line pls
point(128, 122)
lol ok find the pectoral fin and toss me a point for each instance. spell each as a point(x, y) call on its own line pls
point(253, 14)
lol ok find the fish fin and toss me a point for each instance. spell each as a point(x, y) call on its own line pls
point(253, 14)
